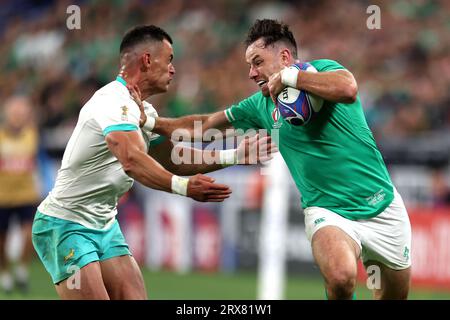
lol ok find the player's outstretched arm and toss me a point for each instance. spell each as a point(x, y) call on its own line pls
point(335, 86)
point(191, 127)
point(184, 160)
point(128, 147)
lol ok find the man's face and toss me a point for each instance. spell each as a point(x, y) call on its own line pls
point(263, 62)
point(17, 112)
point(161, 70)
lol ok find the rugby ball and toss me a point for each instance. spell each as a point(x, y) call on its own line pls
point(298, 107)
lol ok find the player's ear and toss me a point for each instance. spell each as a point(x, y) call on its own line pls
point(145, 61)
point(285, 56)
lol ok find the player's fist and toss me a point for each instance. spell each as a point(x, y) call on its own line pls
point(202, 188)
point(275, 85)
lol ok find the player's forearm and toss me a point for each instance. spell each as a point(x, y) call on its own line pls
point(166, 126)
point(332, 86)
point(190, 161)
point(148, 171)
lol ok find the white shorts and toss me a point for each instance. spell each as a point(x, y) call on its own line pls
point(385, 238)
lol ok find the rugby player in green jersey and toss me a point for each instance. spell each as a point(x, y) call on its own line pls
point(352, 210)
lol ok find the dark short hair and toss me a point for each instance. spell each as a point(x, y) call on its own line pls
point(141, 34)
point(271, 31)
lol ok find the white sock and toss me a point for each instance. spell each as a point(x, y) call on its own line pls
point(22, 273)
point(6, 281)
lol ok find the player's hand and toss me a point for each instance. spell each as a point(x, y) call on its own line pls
point(256, 149)
point(275, 85)
point(202, 188)
point(135, 93)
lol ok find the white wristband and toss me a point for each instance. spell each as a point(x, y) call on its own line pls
point(228, 157)
point(179, 185)
point(289, 77)
point(149, 124)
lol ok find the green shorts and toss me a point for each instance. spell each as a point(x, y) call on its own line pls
point(65, 246)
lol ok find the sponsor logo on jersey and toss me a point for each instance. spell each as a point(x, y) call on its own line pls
point(124, 113)
point(376, 198)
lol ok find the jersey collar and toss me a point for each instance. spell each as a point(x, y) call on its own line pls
point(121, 80)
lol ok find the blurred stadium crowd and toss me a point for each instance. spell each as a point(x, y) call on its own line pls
point(403, 69)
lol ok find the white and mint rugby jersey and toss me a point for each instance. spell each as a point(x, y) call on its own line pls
point(91, 179)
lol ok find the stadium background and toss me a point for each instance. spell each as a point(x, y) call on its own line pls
point(193, 251)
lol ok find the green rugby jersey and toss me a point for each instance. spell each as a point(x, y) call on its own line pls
point(334, 159)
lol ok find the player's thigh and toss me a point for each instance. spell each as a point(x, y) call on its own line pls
point(85, 284)
point(387, 283)
point(336, 253)
point(70, 254)
point(335, 246)
point(123, 278)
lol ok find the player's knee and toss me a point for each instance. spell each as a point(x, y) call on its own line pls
point(341, 284)
point(130, 291)
point(129, 288)
point(403, 294)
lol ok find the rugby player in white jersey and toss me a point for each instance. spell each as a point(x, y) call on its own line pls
point(75, 229)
